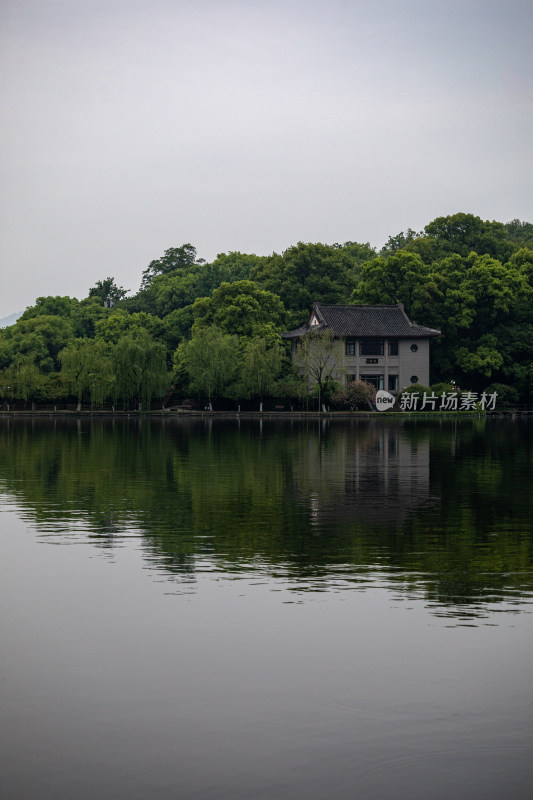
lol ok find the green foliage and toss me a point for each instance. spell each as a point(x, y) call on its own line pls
point(181, 288)
point(398, 242)
point(522, 260)
point(357, 252)
point(37, 340)
point(464, 233)
point(175, 291)
point(442, 388)
point(470, 278)
point(395, 279)
point(175, 258)
point(240, 308)
point(22, 381)
point(108, 292)
point(139, 364)
point(177, 326)
point(317, 359)
point(309, 272)
point(261, 365)
point(481, 305)
point(119, 323)
point(65, 307)
point(87, 370)
point(520, 233)
point(292, 386)
point(210, 360)
point(507, 395)
point(357, 394)
point(178, 279)
point(89, 312)
point(417, 389)
point(485, 359)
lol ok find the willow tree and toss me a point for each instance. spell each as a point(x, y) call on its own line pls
point(87, 370)
point(261, 365)
point(140, 369)
point(210, 360)
point(22, 380)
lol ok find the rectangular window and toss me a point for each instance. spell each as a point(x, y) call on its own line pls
point(371, 347)
point(393, 347)
point(350, 347)
point(393, 383)
point(375, 380)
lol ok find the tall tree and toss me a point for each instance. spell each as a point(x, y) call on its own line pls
point(111, 327)
point(178, 289)
point(261, 365)
point(399, 242)
point(90, 310)
point(242, 308)
point(520, 233)
point(87, 369)
point(38, 339)
point(393, 279)
point(108, 292)
point(210, 360)
point(66, 307)
point(464, 233)
point(173, 259)
point(140, 369)
point(317, 359)
point(305, 273)
point(22, 380)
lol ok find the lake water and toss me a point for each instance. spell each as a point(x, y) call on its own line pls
point(276, 609)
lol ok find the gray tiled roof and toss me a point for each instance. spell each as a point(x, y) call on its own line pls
point(364, 321)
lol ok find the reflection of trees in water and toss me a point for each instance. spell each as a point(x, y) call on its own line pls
point(440, 505)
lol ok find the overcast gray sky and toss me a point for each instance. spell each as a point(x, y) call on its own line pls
point(131, 126)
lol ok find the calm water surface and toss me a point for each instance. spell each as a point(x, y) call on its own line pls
point(196, 609)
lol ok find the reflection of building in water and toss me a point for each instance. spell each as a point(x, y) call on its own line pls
point(375, 473)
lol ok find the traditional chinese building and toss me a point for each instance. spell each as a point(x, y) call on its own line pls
point(377, 344)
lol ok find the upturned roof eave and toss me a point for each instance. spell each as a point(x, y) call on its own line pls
point(298, 332)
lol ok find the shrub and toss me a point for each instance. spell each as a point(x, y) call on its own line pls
point(440, 388)
point(507, 395)
point(416, 388)
point(356, 394)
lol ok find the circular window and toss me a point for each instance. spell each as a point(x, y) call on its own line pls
point(414, 378)
point(414, 348)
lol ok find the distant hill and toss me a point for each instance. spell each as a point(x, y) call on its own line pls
point(10, 320)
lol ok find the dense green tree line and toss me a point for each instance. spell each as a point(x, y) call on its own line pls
point(212, 330)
